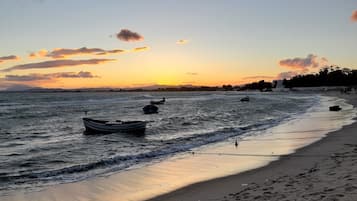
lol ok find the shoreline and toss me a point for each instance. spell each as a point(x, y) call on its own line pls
point(286, 177)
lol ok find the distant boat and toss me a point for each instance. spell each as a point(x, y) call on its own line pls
point(245, 99)
point(158, 102)
point(100, 126)
point(150, 109)
point(335, 108)
point(268, 90)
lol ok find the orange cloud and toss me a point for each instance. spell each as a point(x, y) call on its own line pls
point(354, 16)
point(50, 76)
point(56, 64)
point(9, 58)
point(182, 42)
point(40, 53)
point(129, 36)
point(139, 49)
point(303, 64)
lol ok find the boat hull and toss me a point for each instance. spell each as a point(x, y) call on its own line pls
point(136, 127)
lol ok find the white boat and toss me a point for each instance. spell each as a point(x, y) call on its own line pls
point(100, 126)
point(160, 102)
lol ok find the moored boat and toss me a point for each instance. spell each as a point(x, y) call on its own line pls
point(158, 102)
point(335, 108)
point(100, 126)
point(245, 99)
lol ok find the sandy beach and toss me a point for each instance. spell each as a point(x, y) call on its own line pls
point(325, 170)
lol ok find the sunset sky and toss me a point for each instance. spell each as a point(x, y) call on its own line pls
point(133, 43)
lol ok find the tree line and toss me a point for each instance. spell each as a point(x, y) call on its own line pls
point(329, 76)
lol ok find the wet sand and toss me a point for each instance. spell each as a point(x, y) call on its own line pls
point(324, 170)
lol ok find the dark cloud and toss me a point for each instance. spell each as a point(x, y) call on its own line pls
point(354, 16)
point(65, 52)
point(129, 36)
point(8, 58)
point(303, 64)
point(81, 74)
point(25, 78)
point(111, 52)
point(50, 76)
point(57, 64)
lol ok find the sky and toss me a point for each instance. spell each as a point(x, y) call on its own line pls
point(134, 43)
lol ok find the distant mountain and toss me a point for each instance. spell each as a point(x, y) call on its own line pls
point(20, 87)
point(160, 86)
point(26, 88)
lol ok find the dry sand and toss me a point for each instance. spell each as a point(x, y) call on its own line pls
point(325, 170)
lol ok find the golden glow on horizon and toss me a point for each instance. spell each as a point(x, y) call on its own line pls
point(142, 70)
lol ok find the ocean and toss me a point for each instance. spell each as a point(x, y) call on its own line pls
point(42, 141)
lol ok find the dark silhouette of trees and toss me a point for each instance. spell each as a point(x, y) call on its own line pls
point(331, 76)
point(261, 85)
point(227, 87)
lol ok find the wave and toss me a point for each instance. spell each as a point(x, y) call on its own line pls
point(121, 162)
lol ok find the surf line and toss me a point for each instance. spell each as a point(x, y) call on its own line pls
point(276, 155)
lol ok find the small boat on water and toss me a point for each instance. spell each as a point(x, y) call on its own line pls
point(245, 99)
point(100, 126)
point(160, 102)
point(335, 108)
point(150, 109)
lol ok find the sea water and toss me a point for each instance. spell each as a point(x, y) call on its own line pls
point(42, 141)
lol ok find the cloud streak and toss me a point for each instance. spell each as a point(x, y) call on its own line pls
point(57, 64)
point(182, 42)
point(50, 76)
point(9, 58)
point(129, 36)
point(139, 49)
point(354, 16)
point(259, 77)
point(60, 53)
point(303, 64)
